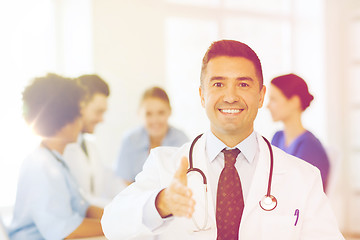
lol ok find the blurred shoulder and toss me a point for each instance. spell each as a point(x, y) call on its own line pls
point(294, 165)
point(135, 134)
point(177, 135)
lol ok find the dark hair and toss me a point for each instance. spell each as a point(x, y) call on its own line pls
point(293, 85)
point(94, 84)
point(231, 48)
point(51, 102)
point(155, 92)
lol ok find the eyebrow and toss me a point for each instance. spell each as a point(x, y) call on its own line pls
point(224, 78)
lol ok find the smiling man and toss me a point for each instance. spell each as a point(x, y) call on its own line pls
point(98, 183)
point(169, 202)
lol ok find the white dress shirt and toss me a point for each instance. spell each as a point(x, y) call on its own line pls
point(245, 164)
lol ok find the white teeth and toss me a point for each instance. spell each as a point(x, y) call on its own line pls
point(230, 110)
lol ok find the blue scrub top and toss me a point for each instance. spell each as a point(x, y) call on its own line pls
point(308, 148)
point(48, 202)
point(134, 150)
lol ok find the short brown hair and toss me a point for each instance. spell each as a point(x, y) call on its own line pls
point(231, 48)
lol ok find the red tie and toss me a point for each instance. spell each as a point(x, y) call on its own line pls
point(229, 201)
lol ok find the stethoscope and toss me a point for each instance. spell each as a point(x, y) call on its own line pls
point(267, 203)
point(62, 162)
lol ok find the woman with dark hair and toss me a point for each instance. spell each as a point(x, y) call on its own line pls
point(289, 98)
point(48, 203)
point(154, 110)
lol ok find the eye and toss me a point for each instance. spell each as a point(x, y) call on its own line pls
point(218, 84)
point(244, 84)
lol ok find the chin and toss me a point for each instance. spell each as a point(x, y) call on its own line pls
point(88, 130)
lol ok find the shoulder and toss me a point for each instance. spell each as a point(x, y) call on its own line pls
point(293, 165)
point(40, 163)
point(278, 135)
point(175, 137)
point(311, 143)
point(176, 132)
point(137, 134)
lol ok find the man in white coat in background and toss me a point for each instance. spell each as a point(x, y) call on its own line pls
point(166, 202)
point(98, 183)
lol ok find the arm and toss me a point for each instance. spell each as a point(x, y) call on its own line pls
point(313, 153)
point(124, 216)
point(89, 227)
point(94, 212)
point(125, 161)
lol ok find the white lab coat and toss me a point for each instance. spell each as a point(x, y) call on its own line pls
point(105, 183)
point(296, 185)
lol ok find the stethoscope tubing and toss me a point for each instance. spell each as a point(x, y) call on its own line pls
point(269, 206)
point(268, 194)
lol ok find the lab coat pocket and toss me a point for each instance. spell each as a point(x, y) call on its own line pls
point(278, 227)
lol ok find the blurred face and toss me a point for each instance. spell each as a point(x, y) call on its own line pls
point(155, 113)
point(279, 105)
point(231, 96)
point(93, 112)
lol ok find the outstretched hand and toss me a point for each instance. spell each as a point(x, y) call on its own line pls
point(177, 198)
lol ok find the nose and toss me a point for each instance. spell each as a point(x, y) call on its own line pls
point(231, 95)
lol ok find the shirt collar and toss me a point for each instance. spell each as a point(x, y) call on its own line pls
point(247, 147)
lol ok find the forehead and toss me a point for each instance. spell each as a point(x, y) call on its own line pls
point(97, 99)
point(231, 67)
point(154, 103)
point(274, 91)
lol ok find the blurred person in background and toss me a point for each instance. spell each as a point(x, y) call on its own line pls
point(98, 182)
point(289, 98)
point(48, 203)
point(155, 110)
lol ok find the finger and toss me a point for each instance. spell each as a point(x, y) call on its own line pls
point(178, 199)
point(185, 210)
point(178, 188)
point(180, 173)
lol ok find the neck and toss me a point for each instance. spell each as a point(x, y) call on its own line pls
point(232, 140)
point(156, 141)
point(55, 144)
point(293, 128)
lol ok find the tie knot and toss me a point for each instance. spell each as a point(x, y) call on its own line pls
point(230, 156)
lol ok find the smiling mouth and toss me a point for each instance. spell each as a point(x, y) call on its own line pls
point(231, 111)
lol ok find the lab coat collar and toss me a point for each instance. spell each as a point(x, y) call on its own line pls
point(214, 146)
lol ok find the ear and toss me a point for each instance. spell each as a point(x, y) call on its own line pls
point(262, 96)
point(296, 102)
point(201, 93)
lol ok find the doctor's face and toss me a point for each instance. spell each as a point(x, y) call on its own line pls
point(231, 96)
point(93, 112)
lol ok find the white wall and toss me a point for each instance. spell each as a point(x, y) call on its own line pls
point(129, 54)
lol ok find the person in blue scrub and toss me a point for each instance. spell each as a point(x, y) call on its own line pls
point(49, 203)
point(155, 110)
point(289, 98)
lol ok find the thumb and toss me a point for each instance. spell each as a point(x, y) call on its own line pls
point(180, 173)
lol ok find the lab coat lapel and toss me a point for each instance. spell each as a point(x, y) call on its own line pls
point(260, 179)
point(200, 161)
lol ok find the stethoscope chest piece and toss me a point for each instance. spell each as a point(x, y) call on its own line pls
point(268, 203)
